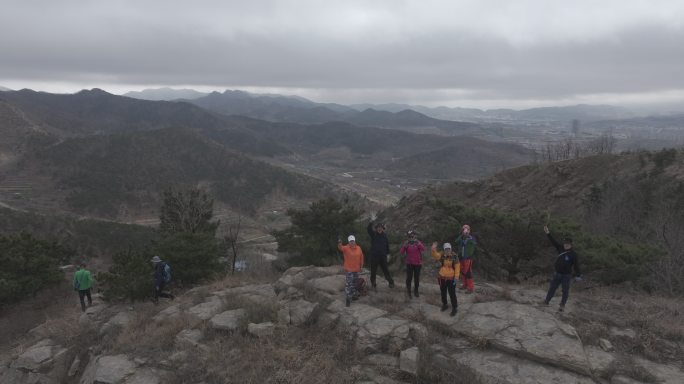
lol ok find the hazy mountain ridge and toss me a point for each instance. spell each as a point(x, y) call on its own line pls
point(104, 173)
point(165, 94)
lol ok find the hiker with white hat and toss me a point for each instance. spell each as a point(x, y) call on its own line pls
point(353, 262)
point(449, 272)
point(162, 276)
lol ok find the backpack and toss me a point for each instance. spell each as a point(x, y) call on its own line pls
point(167, 273)
point(361, 286)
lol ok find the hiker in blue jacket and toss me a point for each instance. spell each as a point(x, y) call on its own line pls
point(161, 278)
point(566, 261)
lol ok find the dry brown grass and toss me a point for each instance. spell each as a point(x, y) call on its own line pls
point(293, 355)
point(145, 338)
point(657, 321)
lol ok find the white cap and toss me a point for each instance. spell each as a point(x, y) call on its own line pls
point(351, 238)
point(447, 246)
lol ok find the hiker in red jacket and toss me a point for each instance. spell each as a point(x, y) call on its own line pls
point(413, 249)
point(465, 246)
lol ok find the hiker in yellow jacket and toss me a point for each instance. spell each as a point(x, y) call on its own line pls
point(449, 271)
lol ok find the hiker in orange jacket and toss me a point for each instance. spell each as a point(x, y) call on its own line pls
point(353, 262)
point(449, 272)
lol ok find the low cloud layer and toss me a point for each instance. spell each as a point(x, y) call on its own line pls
point(382, 51)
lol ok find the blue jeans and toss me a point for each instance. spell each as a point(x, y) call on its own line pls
point(559, 279)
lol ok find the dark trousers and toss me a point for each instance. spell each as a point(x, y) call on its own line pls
point(448, 286)
point(380, 260)
point(159, 292)
point(559, 279)
point(412, 273)
point(82, 295)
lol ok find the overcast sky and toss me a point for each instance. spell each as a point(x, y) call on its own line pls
point(458, 53)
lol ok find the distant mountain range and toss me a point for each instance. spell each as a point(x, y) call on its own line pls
point(273, 107)
point(165, 94)
point(95, 153)
point(3, 89)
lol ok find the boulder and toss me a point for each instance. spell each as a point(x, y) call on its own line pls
point(261, 330)
point(228, 320)
point(408, 360)
point(148, 376)
point(297, 312)
point(119, 320)
point(188, 338)
point(418, 332)
point(601, 362)
point(73, 368)
point(606, 345)
point(108, 370)
point(208, 309)
point(377, 333)
point(40, 357)
point(330, 284)
point(526, 331)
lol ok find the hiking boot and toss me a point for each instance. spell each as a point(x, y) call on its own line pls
point(391, 284)
point(415, 293)
point(348, 303)
point(561, 308)
point(544, 303)
point(408, 293)
point(444, 307)
point(453, 312)
point(375, 287)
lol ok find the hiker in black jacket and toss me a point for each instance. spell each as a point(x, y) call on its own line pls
point(379, 252)
point(566, 261)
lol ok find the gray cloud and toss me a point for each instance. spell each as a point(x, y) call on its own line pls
point(388, 49)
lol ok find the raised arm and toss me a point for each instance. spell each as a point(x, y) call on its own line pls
point(553, 241)
point(370, 230)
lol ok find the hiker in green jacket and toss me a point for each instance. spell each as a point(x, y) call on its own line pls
point(82, 283)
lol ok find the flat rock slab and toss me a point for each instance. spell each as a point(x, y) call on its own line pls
point(108, 370)
point(208, 309)
point(167, 313)
point(383, 360)
point(500, 368)
point(527, 296)
point(525, 330)
point(228, 320)
point(258, 293)
point(261, 329)
point(356, 314)
point(665, 373)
